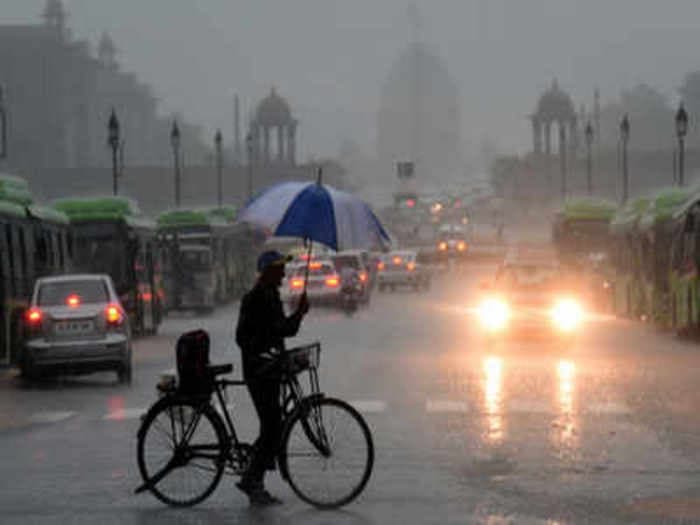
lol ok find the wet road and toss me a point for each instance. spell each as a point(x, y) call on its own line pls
point(604, 431)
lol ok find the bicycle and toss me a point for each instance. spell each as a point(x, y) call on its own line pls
point(185, 446)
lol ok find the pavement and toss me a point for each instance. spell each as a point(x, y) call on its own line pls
point(604, 430)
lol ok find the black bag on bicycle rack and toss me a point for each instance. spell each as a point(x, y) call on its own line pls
point(192, 356)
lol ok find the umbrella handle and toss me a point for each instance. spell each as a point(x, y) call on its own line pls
point(308, 263)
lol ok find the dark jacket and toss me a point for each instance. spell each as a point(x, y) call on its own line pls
point(262, 327)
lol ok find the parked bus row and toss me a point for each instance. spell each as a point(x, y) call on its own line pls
point(649, 253)
point(191, 259)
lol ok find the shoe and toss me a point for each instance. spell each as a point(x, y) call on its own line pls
point(262, 498)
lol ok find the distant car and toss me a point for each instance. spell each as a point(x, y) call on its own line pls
point(401, 268)
point(358, 261)
point(76, 324)
point(531, 298)
point(323, 282)
point(452, 242)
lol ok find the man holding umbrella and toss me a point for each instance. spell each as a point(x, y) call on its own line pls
point(262, 327)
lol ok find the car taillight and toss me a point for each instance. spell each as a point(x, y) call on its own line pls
point(411, 266)
point(442, 246)
point(113, 314)
point(73, 301)
point(363, 277)
point(332, 282)
point(296, 283)
point(462, 246)
point(397, 260)
point(380, 266)
point(34, 316)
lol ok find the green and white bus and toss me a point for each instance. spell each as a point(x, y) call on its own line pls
point(207, 257)
point(112, 236)
point(582, 227)
point(34, 242)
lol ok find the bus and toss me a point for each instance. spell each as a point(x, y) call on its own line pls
point(581, 228)
point(684, 279)
point(207, 257)
point(112, 236)
point(655, 232)
point(34, 242)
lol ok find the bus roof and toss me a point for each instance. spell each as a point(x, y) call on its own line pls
point(662, 206)
point(586, 208)
point(48, 214)
point(627, 215)
point(15, 189)
point(215, 216)
point(89, 209)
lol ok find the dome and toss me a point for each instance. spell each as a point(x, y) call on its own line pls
point(555, 104)
point(273, 110)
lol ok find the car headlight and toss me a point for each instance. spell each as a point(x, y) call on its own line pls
point(494, 314)
point(567, 315)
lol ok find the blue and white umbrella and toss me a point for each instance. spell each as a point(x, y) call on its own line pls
point(319, 213)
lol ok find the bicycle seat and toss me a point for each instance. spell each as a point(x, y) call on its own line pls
point(217, 370)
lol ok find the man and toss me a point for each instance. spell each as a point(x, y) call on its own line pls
point(262, 327)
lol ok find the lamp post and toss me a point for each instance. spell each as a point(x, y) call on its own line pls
point(624, 138)
point(249, 148)
point(175, 143)
point(3, 125)
point(562, 159)
point(681, 131)
point(589, 158)
point(113, 142)
point(219, 168)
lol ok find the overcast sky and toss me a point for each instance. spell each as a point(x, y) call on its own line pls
point(330, 57)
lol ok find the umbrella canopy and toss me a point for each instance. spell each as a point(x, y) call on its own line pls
point(320, 213)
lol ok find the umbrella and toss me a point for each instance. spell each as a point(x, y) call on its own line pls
point(318, 213)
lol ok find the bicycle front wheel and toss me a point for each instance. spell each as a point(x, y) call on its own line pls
point(181, 453)
point(328, 453)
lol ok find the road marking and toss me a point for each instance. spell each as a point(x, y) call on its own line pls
point(435, 406)
point(369, 406)
point(124, 414)
point(607, 408)
point(50, 417)
point(526, 406)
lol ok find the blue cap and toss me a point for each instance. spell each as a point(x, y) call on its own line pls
point(271, 258)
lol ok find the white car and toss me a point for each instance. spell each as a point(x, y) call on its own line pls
point(323, 284)
point(76, 324)
point(401, 268)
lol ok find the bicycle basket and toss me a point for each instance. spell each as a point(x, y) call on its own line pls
point(192, 355)
point(302, 358)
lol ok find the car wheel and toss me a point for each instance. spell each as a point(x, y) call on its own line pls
point(124, 373)
point(28, 371)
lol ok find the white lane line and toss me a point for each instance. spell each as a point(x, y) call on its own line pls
point(435, 406)
point(612, 408)
point(526, 406)
point(124, 414)
point(50, 417)
point(369, 406)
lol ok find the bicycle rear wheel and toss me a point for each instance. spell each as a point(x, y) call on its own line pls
point(327, 454)
point(181, 451)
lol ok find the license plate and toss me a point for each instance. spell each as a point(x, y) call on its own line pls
point(73, 327)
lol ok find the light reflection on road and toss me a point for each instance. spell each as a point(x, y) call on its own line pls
point(566, 422)
point(493, 402)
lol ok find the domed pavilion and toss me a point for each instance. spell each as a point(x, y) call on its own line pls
point(273, 132)
point(554, 108)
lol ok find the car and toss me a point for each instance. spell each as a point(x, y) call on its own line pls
point(401, 268)
point(75, 323)
point(359, 261)
point(452, 242)
point(531, 298)
point(323, 282)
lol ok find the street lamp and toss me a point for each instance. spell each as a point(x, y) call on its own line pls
point(681, 131)
point(219, 168)
point(3, 126)
point(249, 147)
point(589, 158)
point(562, 158)
point(175, 143)
point(624, 138)
point(113, 142)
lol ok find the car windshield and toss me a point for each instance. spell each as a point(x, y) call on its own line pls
point(341, 261)
point(86, 291)
point(195, 259)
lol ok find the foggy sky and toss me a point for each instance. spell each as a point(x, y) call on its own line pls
point(330, 57)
